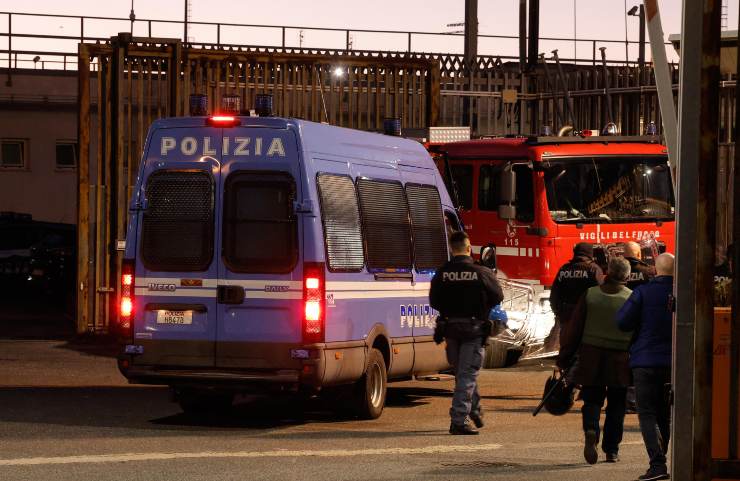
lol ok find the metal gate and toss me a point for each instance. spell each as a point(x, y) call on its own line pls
point(127, 83)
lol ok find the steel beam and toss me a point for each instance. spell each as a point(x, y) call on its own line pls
point(83, 283)
point(522, 34)
point(696, 239)
point(534, 33)
point(470, 56)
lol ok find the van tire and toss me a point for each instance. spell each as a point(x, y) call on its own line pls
point(203, 402)
point(370, 390)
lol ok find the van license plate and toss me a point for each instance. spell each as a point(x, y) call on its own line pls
point(174, 317)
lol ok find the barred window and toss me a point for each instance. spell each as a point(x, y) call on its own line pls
point(385, 222)
point(177, 230)
point(427, 220)
point(340, 214)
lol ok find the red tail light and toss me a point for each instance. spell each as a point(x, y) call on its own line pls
point(126, 308)
point(314, 303)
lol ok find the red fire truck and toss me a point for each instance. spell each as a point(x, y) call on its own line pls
point(534, 198)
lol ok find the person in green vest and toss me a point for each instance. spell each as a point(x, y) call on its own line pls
point(594, 353)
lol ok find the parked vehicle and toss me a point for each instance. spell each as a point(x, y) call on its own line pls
point(278, 255)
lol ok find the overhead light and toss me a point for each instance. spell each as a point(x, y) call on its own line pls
point(338, 71)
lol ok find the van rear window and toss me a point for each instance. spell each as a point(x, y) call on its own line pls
point(385, 220)
point(427, 220)
point(342, 226)
point(260, 229)
point(177, 230)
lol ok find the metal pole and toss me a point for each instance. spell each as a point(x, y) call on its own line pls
point(185, 26)
point(346, 42)
point(551, 89)
point(566, 92)
point(641, 51)
point(9, 81)
point(663, 83)
point(470, 55)
point(534, 32)
point(609, 112)
point(283, 37)
point(696, 240)
point(408, 48)
point(522, 34)
point(83, 284)
point(82, 29)
point(735, 257)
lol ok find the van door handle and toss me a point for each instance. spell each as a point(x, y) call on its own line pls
point(230, 294)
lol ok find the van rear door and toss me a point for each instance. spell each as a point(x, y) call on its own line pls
point(260, 268)
point(177, 244)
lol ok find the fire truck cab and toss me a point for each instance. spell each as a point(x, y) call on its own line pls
point(534, 198)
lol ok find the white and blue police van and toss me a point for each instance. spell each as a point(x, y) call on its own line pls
point(279, 255)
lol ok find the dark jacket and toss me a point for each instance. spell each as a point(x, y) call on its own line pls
point(648, 312)
point(640, 273)
point(591, 365)
point(572, 280)
point(462, 288)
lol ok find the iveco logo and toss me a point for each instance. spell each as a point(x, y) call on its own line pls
point(162, 287)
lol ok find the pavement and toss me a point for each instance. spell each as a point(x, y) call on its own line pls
point(67, 414)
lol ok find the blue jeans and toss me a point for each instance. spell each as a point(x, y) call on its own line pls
point(653, 411)
point(466, 358)
point(593, 400)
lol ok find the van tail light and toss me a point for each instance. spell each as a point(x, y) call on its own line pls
point(314, 303)
point(126, 305)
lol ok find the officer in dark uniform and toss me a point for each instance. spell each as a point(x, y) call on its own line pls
point(464, 293)
point(640, 273)
point(572, 280)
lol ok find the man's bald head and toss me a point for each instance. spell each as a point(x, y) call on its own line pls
point(664, 264)
point(632, 249)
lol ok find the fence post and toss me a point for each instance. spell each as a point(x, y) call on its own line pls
point(347, 40)
point(283, 28)
point(82, 29)
point(9, 81)
point(83, 284)
point(218, 34)
point(408, 49)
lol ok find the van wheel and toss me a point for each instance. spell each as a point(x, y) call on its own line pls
point(370, 390)
point(203, 402)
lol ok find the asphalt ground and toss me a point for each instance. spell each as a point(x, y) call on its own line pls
point(67, 414)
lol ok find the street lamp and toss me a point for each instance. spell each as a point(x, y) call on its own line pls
point(639, 11)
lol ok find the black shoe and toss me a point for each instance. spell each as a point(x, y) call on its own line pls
point(477, 419)
point(464, 429)
point(589, 447)
point(655, 473)
point(612, 458)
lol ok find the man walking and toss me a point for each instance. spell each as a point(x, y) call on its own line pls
point(464, 293)
point(640, 271)
point(601, 365)
point(648, 312)
point(572, 280)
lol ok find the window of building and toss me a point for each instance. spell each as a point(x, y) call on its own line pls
point(386, 225)
point(428, 226)
point(340, 214)
point(66, 155)
point(177, 230)
point(260, 228)
point(13, 153)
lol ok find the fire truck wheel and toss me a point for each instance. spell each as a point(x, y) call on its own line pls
point(498, 354)
point(370, 390)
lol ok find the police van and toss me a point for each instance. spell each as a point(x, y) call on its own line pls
point(278, 255)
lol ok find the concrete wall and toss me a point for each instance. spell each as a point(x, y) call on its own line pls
point(42, 109)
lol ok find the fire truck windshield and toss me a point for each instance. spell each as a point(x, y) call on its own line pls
point(609, 189)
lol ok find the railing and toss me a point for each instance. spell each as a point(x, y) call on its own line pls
point(223, 34)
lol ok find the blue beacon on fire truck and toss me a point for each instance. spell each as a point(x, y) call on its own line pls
point(273, 255)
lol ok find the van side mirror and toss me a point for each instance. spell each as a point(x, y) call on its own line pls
point(507, 194)
point(488, 256)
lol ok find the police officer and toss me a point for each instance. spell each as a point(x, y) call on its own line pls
point(640, 273)
point(723, 274)
point(573, 279)
point(464, 293)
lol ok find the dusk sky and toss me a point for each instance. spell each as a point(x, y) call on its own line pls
point(595, 19)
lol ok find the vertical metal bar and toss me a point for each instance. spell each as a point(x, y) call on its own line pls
point(116, 206)
point(83, 189)
point(9, 81)
point(470, 53)
point(408, 45)
point(522, 34)
point(347, 40)
point(641, 51)
point(283, 28)
point(697, 208)
point(218, 34)
point(185, 23)
point(534, 32)
point(82, 29)
point(149, 27)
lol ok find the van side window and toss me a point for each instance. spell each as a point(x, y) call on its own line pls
point(342, 226)
point(260, 230)
point(524, 193)
point(177, 227)
point(462, 175)
point(428, 226)
point(385, 222)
